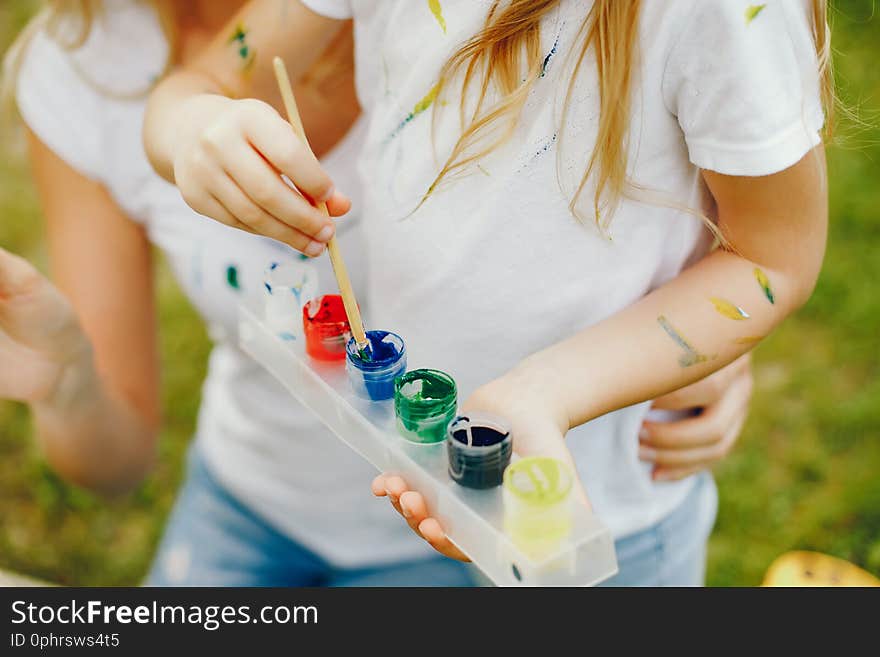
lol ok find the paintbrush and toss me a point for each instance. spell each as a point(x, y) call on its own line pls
point(339, 270)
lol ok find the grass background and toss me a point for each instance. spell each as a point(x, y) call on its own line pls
point(806, 472)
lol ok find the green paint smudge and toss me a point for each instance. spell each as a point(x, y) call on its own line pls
point(749, 340)
point(245, 54)
point(691, 356)
point(437, 10)
point(764, 282)
point(727, 309)
point(232, 277)
point(752, 12)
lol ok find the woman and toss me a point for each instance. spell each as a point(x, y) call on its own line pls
point(254, 509)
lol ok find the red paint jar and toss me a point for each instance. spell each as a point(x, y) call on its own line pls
point(326, 328)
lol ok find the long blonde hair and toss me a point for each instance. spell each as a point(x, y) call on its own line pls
point(507, 53)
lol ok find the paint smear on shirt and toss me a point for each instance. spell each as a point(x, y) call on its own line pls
point(752, 12)
point(764, 282)
point(546, 64)
point(232, 277)
point(690, 356)
point(437, 10)
point(246, 56)
point(419, 107)
point(727, 309)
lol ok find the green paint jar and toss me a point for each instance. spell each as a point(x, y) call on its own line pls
point(425, 402)
point(538, 504)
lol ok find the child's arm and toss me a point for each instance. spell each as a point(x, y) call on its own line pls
point(776, 226)
point(226, 155)
point(681, 332)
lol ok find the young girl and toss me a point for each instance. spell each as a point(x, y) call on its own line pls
point(257, 506)
point(534, 173)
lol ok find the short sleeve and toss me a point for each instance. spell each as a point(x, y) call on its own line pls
point(743, 81)
point(340, 9)
point(59, 106)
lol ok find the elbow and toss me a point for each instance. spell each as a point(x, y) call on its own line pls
point(110, 475)
point(802, 283)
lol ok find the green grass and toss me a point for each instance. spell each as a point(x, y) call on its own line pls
point(804, 475)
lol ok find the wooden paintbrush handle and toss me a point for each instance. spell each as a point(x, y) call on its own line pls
point(339, 269)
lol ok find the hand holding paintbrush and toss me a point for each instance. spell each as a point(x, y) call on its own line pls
point(348, 299)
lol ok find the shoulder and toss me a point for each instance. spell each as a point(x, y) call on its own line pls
point(63, 91)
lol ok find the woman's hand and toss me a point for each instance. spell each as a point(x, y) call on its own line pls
point(538, 427)
point(228, 159)
point(682, 447)
point(39, 333)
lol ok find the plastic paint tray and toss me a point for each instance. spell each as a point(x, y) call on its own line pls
point(473, 519)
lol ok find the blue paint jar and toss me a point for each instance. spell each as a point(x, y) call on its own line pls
point(479, 446)
point(372, 377)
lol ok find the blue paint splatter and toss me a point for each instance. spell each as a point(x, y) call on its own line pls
point(546, 146)
point(549, 57)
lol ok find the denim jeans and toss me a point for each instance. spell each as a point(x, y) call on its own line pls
point(673, 551)
point(212, 539)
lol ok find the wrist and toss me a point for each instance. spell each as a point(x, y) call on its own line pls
point(536, 383)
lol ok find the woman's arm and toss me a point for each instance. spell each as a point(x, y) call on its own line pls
point(226, 156)
point(91, 346)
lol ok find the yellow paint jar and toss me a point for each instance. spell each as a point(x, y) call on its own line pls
point(538, 504)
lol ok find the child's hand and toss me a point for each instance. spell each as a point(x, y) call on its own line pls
point(538, 427)
point(681, 448)
point(228, 159)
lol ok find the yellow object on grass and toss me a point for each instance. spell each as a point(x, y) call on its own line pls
point(816, 569)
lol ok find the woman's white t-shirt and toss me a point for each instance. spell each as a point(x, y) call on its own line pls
point(494, 267)
point(259, 442)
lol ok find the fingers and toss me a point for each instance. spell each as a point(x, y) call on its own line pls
point(274, 138)
point(411, 505)
point(674, 474)
point(678, 458)
point(17, 275)
point(267, 191)
point(697, 431)
point(433, 533)
point(244, 211)
point(706, 391)
point(678, 463)
point(338, 205)
point(708, 427)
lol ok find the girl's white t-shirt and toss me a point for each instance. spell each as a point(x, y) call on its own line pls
point(494, 267)
point(87, 106)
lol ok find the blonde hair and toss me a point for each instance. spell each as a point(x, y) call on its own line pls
point(507, 53)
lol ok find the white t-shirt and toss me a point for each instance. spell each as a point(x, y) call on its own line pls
point(261, 444)
point(493, 267)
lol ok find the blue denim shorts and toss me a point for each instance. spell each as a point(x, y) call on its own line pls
point(213, 539)
point(673, 551)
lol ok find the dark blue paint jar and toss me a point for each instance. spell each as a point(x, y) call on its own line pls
point(479, 446)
